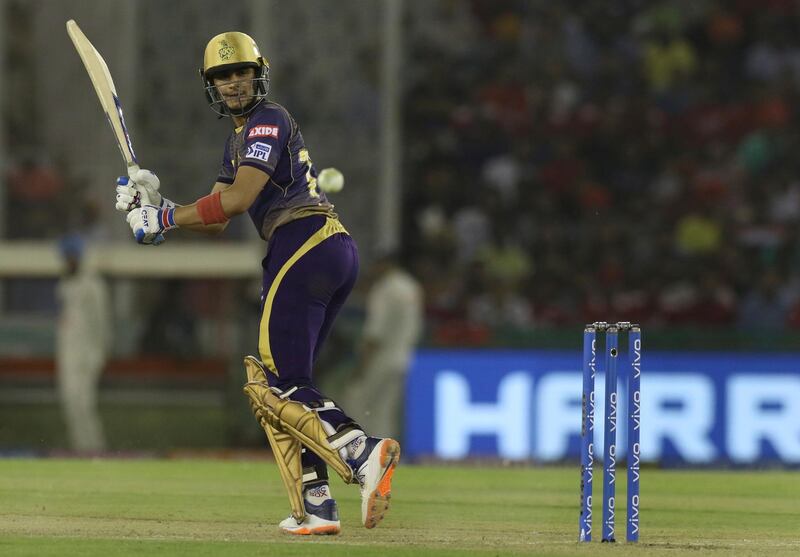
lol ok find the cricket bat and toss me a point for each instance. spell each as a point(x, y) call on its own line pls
point(106, 92)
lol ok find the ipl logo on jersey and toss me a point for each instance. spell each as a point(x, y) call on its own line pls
point(258, 150)
point(226, 51)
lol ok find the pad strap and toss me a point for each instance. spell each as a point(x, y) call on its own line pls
point(314, 475)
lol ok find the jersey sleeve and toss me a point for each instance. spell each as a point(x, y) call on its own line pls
point(226, 170)
point(266, 137)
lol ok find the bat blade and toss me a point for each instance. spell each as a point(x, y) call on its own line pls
point(98, 72)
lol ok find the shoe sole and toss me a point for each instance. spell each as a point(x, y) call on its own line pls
point(378, 502)
point(318, 531)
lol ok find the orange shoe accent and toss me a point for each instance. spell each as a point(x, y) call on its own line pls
point(385, 485)
point(379, 499)
point(318, 531)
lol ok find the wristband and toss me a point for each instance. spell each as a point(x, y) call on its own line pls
point(209, 208)
point(167, 217)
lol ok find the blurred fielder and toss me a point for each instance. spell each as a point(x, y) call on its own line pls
point(82, 345)
point(392, 329)
point(310, 267)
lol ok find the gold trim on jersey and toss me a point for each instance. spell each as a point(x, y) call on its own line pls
point(284, 216)
point(331, 227)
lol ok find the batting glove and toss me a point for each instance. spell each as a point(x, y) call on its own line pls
point(140, 190)
point(150, 222)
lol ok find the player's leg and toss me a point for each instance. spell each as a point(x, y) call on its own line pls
point(294, 303)
point(295, 314)
point(373, 459)
point(307, 416)
point(321, 510)
point(285, 447)
point(288, 424)
point(340, 295)
point(299, 412)
point(310, 279)
point(322, 513)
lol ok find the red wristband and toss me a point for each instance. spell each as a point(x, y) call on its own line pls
point(210, 209)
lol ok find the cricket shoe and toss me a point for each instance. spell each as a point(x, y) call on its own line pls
point(374, 469)
point(322, 519)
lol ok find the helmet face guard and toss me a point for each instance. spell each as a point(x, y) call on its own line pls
point(218, 104)
point(230, 51)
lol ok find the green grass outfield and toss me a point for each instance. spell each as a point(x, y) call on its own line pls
point(223, 508)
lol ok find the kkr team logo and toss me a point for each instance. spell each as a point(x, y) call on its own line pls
point(226, 51)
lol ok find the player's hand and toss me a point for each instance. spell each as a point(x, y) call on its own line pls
point(134, 219)
point(140, 190)
point(149, 223)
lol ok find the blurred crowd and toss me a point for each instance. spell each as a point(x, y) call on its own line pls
point(588, 160)
point(564, 162)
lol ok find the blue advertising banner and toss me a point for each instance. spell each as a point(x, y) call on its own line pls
point(697, 408)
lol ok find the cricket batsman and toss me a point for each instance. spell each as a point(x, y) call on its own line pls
point(309, 269)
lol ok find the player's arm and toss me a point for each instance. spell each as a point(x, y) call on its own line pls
point(145, 191)
point(149, 222)
point(211, 228)
point(223, 204)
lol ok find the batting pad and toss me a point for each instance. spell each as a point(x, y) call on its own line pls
point(295, 419)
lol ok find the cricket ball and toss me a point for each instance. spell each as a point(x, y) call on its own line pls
point(330, 180)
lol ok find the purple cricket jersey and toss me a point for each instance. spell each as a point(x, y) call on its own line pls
point(271, 141)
